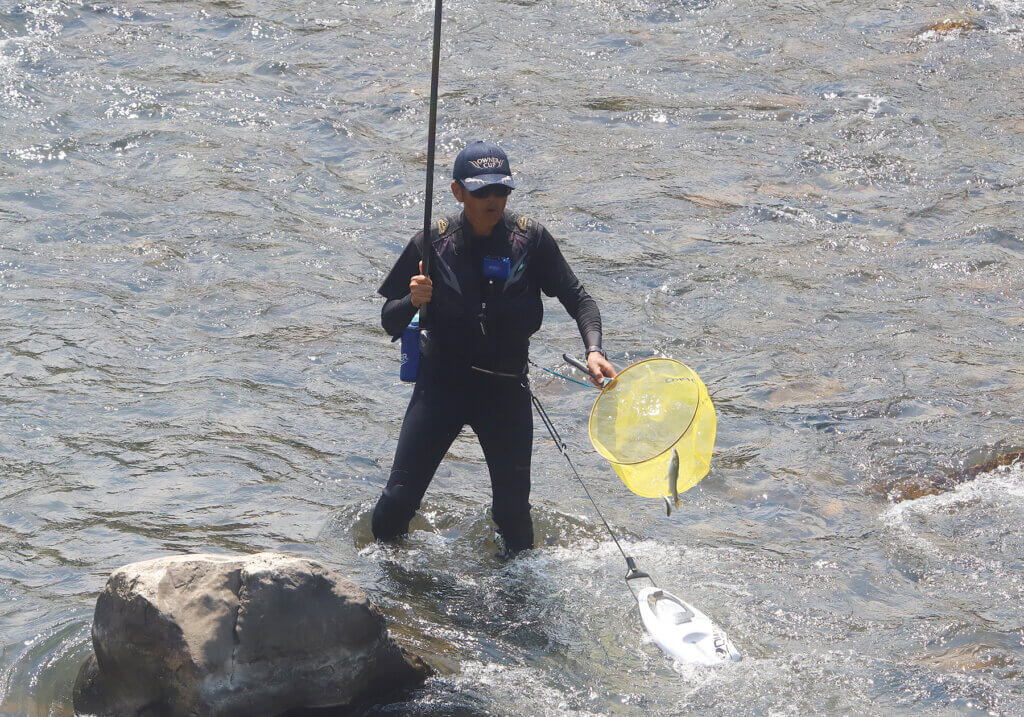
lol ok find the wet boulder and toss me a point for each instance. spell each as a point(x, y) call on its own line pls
point(236, 635)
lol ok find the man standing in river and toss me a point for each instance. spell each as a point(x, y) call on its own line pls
point(484, 303)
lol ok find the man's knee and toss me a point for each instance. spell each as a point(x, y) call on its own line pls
point(395, 508)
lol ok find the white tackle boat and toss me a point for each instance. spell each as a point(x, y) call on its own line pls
point(683, 631)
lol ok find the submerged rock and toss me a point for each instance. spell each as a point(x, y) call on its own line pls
point(948, 25)
point(955, 24)
point(976, 463)
point(236, 635)
point(965, 658)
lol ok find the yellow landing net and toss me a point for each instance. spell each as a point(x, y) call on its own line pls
point(650, 408)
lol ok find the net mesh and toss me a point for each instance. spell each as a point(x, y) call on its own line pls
point(650, 408)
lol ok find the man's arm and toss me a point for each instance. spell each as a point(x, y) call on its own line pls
point(396, 314)
point(557, 279)
point(404, 289)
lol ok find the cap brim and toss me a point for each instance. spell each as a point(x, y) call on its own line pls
point(486, 180)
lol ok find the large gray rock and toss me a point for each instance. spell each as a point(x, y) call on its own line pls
point(236, 635)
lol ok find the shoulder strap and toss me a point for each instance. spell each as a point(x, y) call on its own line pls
point(524, 225)
point(442, 228)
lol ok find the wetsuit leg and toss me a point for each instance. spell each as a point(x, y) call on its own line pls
point(432, 421)
point(503, 421)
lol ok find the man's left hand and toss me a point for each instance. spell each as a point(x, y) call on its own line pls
point(600, 367)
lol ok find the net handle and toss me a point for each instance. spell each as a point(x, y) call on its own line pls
point(576, 363)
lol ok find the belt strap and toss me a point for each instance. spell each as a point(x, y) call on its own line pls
point(502, 374)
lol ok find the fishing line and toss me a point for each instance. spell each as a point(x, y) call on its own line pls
point(560, 375)
point(679, 629)
point(560, 444)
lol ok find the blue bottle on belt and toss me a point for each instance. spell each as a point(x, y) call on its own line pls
point(411, 350)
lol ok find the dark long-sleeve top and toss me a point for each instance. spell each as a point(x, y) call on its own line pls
point(516, 313)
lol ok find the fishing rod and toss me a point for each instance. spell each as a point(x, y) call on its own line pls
point(428, 199)
point(677, 627)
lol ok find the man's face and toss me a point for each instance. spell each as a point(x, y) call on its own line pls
point(484, 212)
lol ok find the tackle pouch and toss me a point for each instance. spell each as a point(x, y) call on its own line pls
point(410, 350)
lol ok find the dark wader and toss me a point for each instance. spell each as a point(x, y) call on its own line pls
point(498, 410)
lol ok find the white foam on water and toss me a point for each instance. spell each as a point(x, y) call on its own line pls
point(1012, 17)
point(1000, 488)
point(6, 59)
point(873, 103)
point(993, 487)
point(1009, 7)
point(522, 686)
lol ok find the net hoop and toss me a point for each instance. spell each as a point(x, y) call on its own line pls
point(605, 453)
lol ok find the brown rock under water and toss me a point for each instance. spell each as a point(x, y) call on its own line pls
point(952, 24)
point(913, 487)
point(965, 658)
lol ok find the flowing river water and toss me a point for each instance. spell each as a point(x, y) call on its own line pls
point(816, 205)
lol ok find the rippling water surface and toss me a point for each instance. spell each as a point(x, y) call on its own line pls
point(818, 206)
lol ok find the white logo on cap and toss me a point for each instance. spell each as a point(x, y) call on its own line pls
point(488, 163)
